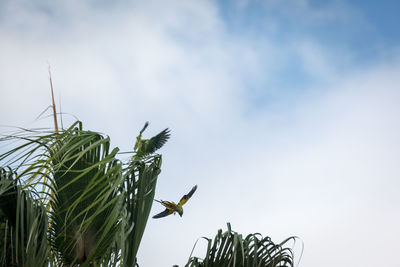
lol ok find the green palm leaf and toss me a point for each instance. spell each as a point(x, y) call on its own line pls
point(23, 225)
point(230, 249)
point(97, 206)
point(140, 183)
point(86, 204)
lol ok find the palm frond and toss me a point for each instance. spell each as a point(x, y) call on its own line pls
point(231, 249)
point(97, 206)
point(86, 205)
point(140, 183)
point(23, 225)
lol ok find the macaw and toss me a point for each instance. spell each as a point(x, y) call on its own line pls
point(145, 147)
point(171, 207)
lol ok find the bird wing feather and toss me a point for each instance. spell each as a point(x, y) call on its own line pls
point(156, 142)
point(186, 197)
point(166, 212)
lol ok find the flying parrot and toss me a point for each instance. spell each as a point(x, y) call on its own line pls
point(171, 207)
point(144, 147)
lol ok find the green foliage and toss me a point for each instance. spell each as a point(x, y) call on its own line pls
point(140, 183)
point(85, 203)
point(67, 200)
point(230, 249)
point(23, 225)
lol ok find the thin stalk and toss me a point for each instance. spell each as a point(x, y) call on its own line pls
point(54, 103)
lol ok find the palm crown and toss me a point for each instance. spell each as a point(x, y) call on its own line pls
point(70, 188)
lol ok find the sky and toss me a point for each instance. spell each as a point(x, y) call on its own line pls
point(284, 113)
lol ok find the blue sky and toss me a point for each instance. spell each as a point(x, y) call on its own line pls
point(285, 113)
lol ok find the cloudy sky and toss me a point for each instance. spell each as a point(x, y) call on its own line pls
point(284, 112)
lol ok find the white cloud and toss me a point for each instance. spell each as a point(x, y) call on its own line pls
point(323, 166)
point(325, 171)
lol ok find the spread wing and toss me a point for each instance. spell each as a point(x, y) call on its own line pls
point(166, 212)
point(170, 207)
point(156, 142)
point(145, 147)
point(186, 197)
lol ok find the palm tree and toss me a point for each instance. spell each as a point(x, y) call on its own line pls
point(67, 200)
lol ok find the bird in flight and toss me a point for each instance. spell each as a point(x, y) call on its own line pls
point(144, 147)
point(171, 207)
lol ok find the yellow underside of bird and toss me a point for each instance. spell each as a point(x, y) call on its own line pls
point(170, 208)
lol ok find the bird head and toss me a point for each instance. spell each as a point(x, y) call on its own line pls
point(180, 210)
